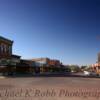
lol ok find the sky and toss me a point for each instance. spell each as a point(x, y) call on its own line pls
point(68, 30)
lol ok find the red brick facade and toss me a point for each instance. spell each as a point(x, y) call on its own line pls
point(54, 62)
point(5, 48)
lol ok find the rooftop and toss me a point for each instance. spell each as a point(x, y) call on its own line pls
point(5, 39)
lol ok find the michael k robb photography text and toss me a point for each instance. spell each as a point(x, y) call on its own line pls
point(32, 92)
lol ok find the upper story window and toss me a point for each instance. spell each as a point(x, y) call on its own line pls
point(10, 49)
point(2, 48)
point(5, 49)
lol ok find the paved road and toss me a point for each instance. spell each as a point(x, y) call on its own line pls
point(50, 88)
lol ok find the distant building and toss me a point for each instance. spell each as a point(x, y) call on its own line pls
point(53, 62)
point(98, 57)
point(41, 61)
point(46, 62)
point(96, 67)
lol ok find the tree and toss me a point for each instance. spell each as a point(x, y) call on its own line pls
point(83, 68)
point(74, 68)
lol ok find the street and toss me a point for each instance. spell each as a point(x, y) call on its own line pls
point(49, 88)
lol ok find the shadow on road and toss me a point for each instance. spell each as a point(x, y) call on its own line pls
point(49, 75)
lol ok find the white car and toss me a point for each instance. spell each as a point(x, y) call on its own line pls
point(93, 74)
point(86, 73)
point(90, 73)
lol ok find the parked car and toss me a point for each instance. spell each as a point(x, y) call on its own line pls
point(93, 73)
point(86, 73)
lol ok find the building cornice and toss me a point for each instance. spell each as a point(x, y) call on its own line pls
point(6, 40)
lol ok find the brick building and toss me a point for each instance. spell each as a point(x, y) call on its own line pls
point(6, 56)
point(46, 64)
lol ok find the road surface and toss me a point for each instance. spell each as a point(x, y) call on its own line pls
point(50, 88)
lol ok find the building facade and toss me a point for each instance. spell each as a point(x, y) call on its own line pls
point(6, 56)
point(96, 67)
point(5, 48)
point(46, 62)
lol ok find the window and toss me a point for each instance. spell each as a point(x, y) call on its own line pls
point(5, 48)
point(10, 49)
point(0, 48)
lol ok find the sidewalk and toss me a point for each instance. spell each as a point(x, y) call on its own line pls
point(2, 77)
